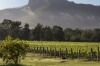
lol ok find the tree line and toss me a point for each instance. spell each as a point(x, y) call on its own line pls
point(47, 33)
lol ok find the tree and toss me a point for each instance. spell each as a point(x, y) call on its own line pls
point(6, 24)
point(76, 35)
point(58, 34)
point(4, 28)
point(47, 33)
point(13, 50)
point(3, 33)
point(26, 32)
point(75, 38)
point(95, 35)
point(15, 29)
point(86, 35)
point(37, 33)
point(68, 34)
point(12, 28)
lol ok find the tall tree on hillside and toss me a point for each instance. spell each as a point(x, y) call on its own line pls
point(58, 34)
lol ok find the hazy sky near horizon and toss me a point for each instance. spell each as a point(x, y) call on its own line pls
point(18, 3)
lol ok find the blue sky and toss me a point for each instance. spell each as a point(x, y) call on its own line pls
point(17, 3)
point(94, 2)
point(12, 3)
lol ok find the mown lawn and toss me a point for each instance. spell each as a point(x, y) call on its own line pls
point(37, 60)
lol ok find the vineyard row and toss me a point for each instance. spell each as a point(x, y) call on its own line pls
point(91, 55)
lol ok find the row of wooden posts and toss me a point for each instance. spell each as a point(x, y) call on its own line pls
point(64, 55)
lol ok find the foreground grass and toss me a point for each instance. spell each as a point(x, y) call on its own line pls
point(37, 60)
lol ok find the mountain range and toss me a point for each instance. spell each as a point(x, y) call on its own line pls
point(55, 12)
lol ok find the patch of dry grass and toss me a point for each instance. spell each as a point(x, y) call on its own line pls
point(37, 60)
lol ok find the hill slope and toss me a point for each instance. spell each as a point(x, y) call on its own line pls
point(55, 12)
